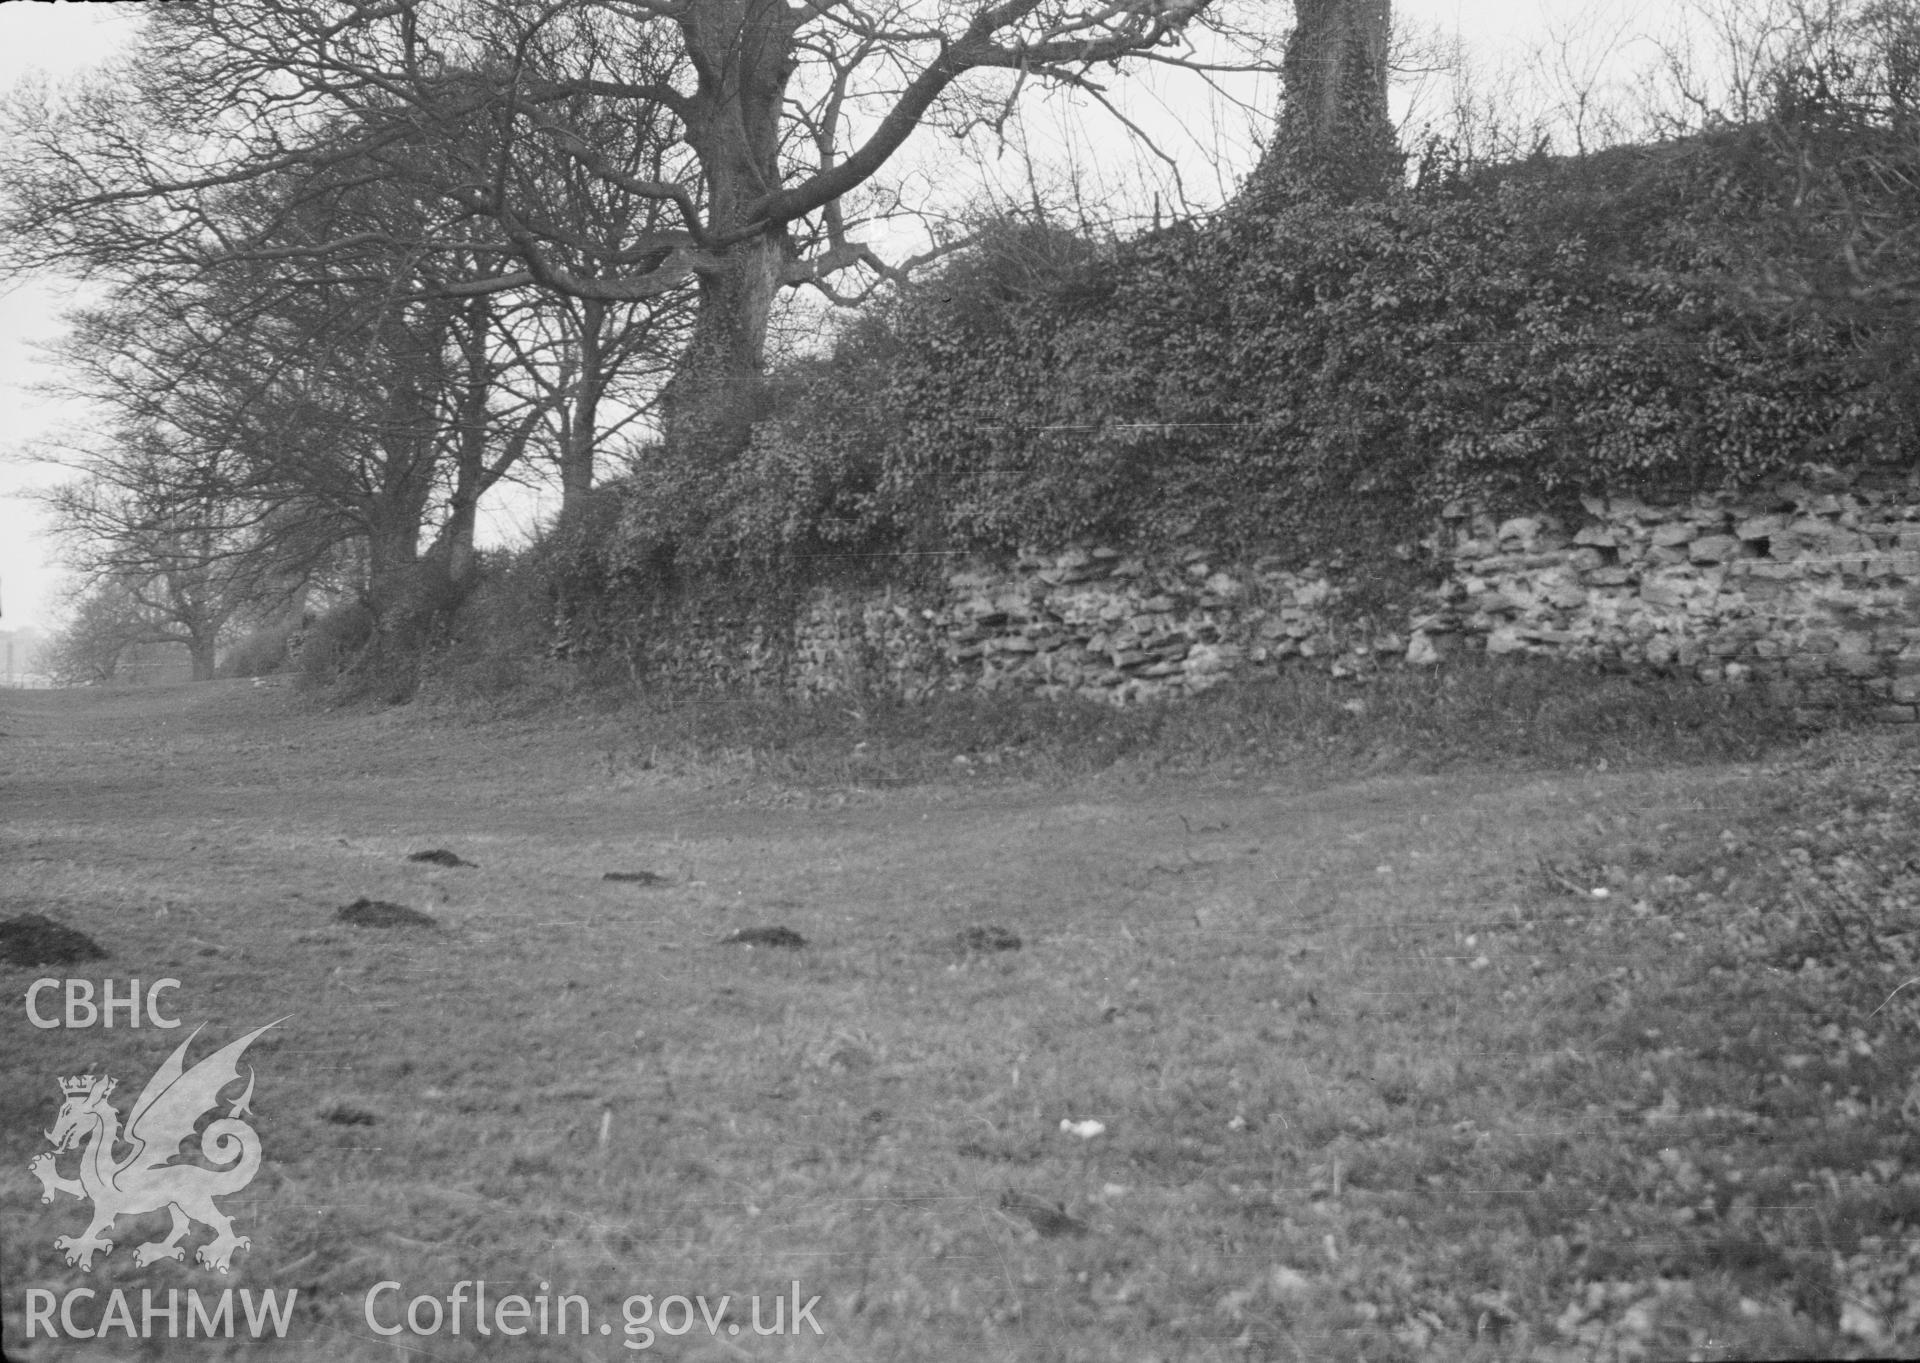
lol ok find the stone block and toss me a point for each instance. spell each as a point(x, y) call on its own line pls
point(1204, 658)
point(1714, 549)
point(1906, 691)
point(1895, 714)
point(1608, 577)
point(1760, 527)
point(1600, 536)
point(1663, 594)
point(1672, 533)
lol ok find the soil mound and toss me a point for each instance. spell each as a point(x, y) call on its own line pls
point(379, 913)
point(32, 939)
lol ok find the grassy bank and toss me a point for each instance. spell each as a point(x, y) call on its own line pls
point(1489, 1053)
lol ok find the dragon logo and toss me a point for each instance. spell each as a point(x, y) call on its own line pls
point(146, 1179)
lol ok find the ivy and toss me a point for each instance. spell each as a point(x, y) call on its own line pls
point(1300, 375)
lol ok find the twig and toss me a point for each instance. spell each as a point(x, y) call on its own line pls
point(1889, 998)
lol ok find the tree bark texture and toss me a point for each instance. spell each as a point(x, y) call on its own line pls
point(742, 52)
point(715, 394)
point(582, 415)
point(1335, 136)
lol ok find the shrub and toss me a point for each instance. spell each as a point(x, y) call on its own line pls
point(258, 653)
point(500, 637)
point(337, 646)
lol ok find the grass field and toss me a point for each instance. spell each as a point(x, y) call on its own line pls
point(1493, 1019)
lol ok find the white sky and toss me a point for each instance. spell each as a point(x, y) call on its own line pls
point(62, 38)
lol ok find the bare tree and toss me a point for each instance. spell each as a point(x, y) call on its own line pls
point(780, 115)
point(161, 559)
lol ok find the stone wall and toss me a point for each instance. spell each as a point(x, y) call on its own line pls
point(1809, 590)
point(1088, 621)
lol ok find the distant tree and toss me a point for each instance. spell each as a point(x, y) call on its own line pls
point(164, 560)
point(110, 622)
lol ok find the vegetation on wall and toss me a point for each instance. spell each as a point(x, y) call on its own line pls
point(1307, 376)
point(1315, 373)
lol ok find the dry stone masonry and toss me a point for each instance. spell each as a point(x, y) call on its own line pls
point(1808, 590)
point(1090, 622)
point(1811, 592)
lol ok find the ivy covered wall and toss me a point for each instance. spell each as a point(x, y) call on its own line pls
point(1234, 441)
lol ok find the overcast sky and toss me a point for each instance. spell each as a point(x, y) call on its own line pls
point(62, 38)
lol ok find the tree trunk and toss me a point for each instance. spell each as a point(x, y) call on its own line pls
point(743, 51)
point(715, 394)
point(395, 508)
point(1335, 136)
point(201, 651)
point(583, 413)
